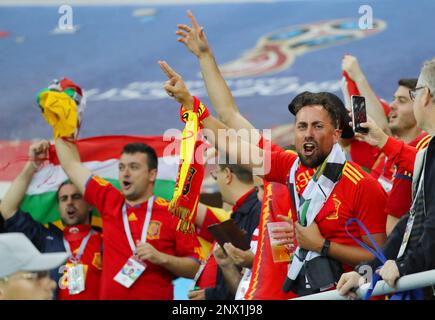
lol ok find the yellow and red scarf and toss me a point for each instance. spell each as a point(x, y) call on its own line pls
point(191, 169)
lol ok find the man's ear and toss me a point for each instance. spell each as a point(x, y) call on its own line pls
point(337, 135)
point(427, 98)
point(228, 176)
point(153, 175)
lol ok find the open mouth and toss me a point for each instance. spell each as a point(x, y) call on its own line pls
point(309, 148)
point(71, 211)
point(126, 185)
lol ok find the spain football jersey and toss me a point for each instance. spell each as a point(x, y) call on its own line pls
point(356, 195)
point(156, 281)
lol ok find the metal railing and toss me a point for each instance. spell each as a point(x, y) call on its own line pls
point(405, 283)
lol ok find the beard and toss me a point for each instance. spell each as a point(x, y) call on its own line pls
point(313, 161)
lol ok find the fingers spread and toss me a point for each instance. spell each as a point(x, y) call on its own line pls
point(183, 27)
point(181, 33)
point(192, 19)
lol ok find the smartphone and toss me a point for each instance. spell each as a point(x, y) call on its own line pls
point(359, 113)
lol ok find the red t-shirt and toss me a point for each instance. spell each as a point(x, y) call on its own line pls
point(356, 195)
point(91, 260)
point(372, 159)
point(155, 282)
point(399, 198)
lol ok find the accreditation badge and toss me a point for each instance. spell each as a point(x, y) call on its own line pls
point(76, 278)
point(130, 272)
point(406, 235)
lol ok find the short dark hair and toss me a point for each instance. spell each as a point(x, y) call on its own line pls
point(61, 186)
point(410, 83)
point(135, 147)
point(321, 98)
point(243, 174)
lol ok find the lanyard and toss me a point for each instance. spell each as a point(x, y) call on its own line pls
point(81, 248)
point(144, 228)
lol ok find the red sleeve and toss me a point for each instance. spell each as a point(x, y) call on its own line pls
point(186, 245)
point(262, 143)
point(401, 154)
point(370, 202)
point(364, 154)
point(278, 165)
point(103, 196)
point(399, 199)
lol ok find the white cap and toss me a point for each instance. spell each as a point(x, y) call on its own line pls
point(17, 253)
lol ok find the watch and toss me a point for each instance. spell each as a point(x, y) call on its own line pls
point(325, 248)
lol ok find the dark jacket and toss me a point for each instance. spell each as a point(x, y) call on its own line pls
point(46, 239)
point(422, 256)
point(247, 218)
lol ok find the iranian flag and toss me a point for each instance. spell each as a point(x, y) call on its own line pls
point(100, 155)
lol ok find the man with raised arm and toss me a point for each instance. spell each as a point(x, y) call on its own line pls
point(322, 205)
point(76, 237)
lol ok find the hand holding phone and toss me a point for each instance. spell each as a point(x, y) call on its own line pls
point(359, 113)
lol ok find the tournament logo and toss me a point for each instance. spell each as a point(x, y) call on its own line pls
point(276, 51)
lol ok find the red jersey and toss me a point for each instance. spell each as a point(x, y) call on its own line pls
point(356, 195)
point(155, 282)
point(399, 199)
point(276, 200)
point(91, 260)
point(371, 159)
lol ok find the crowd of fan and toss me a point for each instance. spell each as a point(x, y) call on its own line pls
point(326, 206)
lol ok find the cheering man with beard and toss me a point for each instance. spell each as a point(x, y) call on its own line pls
point(326, 189)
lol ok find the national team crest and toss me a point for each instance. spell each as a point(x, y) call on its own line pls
point(278, 50)
point(154, 230)
point(337, 204)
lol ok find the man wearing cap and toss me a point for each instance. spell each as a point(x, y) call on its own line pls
point(339, 191)
point(24, 270)
point(80, 278)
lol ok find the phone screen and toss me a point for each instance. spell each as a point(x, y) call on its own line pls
point(359, 113)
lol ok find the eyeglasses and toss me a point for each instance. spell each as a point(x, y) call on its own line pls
point(413, 92)
point(27, 276)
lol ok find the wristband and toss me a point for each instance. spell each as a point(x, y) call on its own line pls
point(198, 107)
point(325, 248)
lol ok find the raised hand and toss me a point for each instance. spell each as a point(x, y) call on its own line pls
point(38, 153)
point(375, 136)
point(193, 37)
point(175, 86)
point(351, 66)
